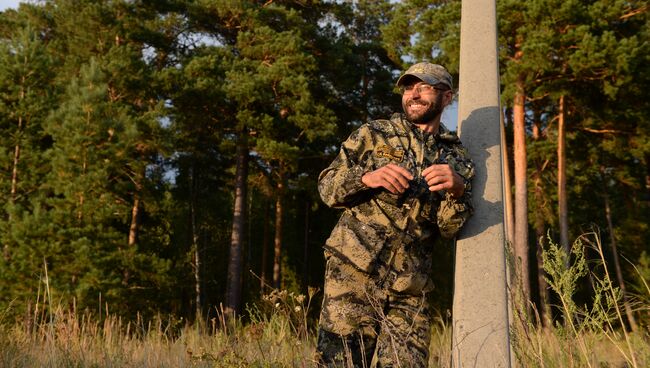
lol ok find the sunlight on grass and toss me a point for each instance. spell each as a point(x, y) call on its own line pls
point(278, 333)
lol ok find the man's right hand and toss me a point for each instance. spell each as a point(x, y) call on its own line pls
point(393, 178)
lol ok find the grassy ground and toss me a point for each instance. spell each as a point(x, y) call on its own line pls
point(277, 333)
point(71, 341)
point(270, 341)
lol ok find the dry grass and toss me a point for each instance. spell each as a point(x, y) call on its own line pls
point(73, 341)
point(277, 334)
point(270, 340)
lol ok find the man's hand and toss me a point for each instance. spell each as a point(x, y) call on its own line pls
point(392, 177)
point(443, 176)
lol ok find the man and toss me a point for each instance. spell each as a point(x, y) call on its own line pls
point(402, 182)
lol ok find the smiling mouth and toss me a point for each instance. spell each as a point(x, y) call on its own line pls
point(417, 106)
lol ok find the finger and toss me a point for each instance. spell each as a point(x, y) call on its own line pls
point(397, 181)
point(399, 176)
point(402, 171)
point(453, 184)
point(389, 186)
point(439, 174)
point(437, 187)
point(437, 179)
point(437, 168)
point(435, 174)
point(384, 177)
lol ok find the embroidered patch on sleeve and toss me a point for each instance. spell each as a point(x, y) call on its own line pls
point(395, 154)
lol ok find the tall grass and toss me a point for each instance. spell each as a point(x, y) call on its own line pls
point(70, 339)
point(277, 332)
point(590, 335)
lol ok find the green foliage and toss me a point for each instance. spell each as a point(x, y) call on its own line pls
point(564, 272)
point(421, 30)
point(125, 117)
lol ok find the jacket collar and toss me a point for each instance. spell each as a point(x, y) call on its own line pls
point(443, 134)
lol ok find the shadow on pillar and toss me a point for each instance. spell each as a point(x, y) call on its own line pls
point(480, 315)
point(481, 136)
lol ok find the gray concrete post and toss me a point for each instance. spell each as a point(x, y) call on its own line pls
point(480, 311)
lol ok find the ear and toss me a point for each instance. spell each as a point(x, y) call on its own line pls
point(447, 98)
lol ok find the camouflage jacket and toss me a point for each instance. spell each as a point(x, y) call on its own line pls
point(376, 218)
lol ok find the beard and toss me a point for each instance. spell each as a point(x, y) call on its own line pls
point(432, 112)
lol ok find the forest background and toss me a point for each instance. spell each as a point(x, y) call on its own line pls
point(161, 157)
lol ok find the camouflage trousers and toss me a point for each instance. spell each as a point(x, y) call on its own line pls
point(364, 322)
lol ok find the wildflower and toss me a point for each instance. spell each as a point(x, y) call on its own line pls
point(297, 308)
point(311, 290)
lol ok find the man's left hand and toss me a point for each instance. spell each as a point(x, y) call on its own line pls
point(443, 177)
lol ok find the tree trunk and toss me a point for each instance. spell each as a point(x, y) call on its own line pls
point(544, 307)
point(198, 302)
point(265, 248)
point(305, 256)
point(84, 167)
point(233, 286)
point(135, 211)
point(14, 171)
point(647, 173)
point(561, 179)
point(507, 185)
point(521, 192)
point(277, 248)
point(617, 264)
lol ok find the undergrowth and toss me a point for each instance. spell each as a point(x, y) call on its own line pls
point(589, 335)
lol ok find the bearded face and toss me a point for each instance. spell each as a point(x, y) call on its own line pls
point(421, 108)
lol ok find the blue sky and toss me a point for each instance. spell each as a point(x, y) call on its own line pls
point(4, 4)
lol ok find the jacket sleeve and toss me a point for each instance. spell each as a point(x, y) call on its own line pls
point(340, 184)
point(454, 212)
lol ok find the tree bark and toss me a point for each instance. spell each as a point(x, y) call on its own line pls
point(198, 300)
point(305, 256)
point(544, 307)
point(561, 178)
point(277, 244)
point(507, 185)
point(14, 171)
point(617, 264)
point(135, 212)
point(265, 248)
point(233, 286)
point(521, 191)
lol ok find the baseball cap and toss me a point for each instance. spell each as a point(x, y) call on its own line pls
point(429, 73)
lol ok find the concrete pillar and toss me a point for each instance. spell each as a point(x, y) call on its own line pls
point(480, 315)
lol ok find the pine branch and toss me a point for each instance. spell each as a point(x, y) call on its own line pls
point(634, 12)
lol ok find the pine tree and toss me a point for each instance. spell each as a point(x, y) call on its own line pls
point(26, 74)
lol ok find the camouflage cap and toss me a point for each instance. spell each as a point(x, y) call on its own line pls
point(429, 73)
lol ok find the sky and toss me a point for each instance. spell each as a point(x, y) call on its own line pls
point(4, 4)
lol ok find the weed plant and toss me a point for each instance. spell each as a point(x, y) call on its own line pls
point(585, 335)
